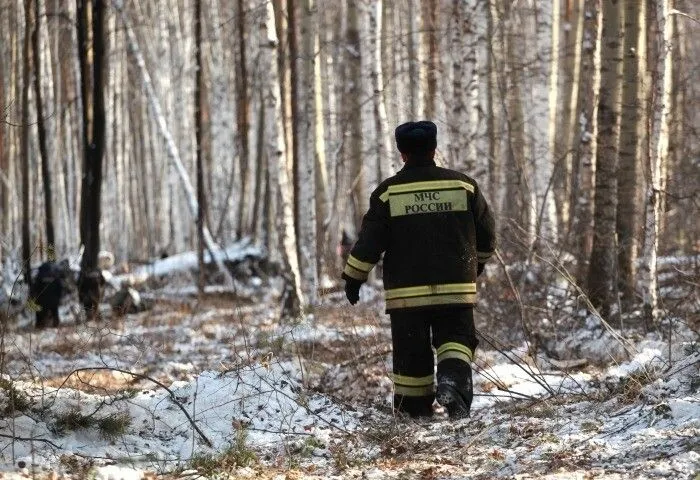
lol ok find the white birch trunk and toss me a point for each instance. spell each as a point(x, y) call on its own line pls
point(173, 153)
point(276, 154)
point(222, 120)
point(658, 155)
point(307, 155)
point(541, 118)
point(549, 217)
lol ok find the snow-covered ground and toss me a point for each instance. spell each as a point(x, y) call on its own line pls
point(190, 388)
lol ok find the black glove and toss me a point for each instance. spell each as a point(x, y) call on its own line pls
point(352, 291)
point(480, 268)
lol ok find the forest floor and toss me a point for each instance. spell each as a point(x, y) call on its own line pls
point(217, 388)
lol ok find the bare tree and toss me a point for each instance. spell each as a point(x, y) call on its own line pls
point(658, 154)
point(198, 127)
point(632, 126)
point(586, 149)
point(601, 275)
point(242, 115)
point(306, 159)
point(41, 128)
point(26, 72)
point(277, 159)
point(92, 58)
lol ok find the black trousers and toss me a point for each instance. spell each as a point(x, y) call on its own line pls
point(414, 334)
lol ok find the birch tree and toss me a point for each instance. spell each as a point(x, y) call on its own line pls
point(353, 116)
point(306, 160)
point(658, 154)
point(276, 154)
point(571, 112)
point(632, 126)
point(170, 142)
point(601, 275)
point(198, 127)
point(586, 151)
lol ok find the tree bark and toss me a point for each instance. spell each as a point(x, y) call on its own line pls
point(41, 129)
point(4, 167)
point(92, 72)
point(658, 155)
point(242, 118)
point(306, 160)
point(429, 15)
point(279, 177)
point(198, 127)
point(601, 275)
point(353, 116)
point(571, 113)
point(632, 126)
point(26, 72)
point(584, 167)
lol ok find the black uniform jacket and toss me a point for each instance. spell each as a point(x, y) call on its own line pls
point(433, 226)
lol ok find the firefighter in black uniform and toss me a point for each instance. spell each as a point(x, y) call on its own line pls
point(436, 232)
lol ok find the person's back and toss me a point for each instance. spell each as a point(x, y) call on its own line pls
point(432, 235)
point(436, 232)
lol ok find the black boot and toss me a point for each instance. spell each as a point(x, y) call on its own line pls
point(455, 394)
point(415, 407)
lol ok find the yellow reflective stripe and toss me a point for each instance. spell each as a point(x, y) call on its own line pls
point(430, 290)
point(351, 271)
point(407, 381)
point(461, 298)
point(484, 255)
point(414, 391)
point(359, 265)
point(429, 185)
point(454, 350)
point(458, 355)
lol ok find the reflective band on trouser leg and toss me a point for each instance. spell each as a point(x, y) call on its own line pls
point(413, 386)
point(454, 350)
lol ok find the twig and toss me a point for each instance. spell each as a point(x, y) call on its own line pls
point(152, 380)
point(29, 439)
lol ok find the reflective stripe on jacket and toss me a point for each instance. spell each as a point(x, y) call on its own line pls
point(433, 226)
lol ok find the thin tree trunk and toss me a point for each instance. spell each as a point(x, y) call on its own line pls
point(632, 125)
point(26, 62)
point(354, 117)
point(198, 127)
point(571, 112)
point(429, 15)
point(584, 167)
point(601, 275)
point(4, 168)
point(274, 131)
point(41, 128)
point(92, 79)
point(306, 159)
point(549, 224)
point(493, 122)
point(658, 155)
point(242, 120)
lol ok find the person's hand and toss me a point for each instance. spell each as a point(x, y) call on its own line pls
point(480, 268)
point(352, 291)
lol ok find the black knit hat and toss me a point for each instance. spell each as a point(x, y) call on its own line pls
point(416, 137)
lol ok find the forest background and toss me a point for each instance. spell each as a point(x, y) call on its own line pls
point(579, 119)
